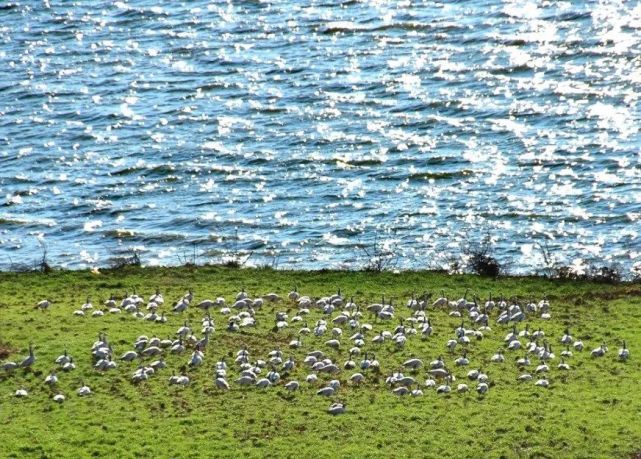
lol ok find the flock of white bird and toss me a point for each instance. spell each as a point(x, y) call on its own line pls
point(343, 323)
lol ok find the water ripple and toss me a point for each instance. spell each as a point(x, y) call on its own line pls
point(302, 132)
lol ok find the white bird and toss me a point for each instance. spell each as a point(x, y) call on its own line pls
point(439, 302)
point(482, 388)
point(62, 359)
point(156, 365)
point(44, 304)
point(139, 375)
point(289, 364)
point(462, 388)
point(336, 408)
point(69, 366)
point(563, 365)
point(489, 304)
point(438, 363)
point(271, 297)
point(514, 345)
point(177, 347)
point(9, 366)
point(439, 373)
point(185, 330)
point(151, 351)
point(221, 383)
point(156, 298)
point(404, 380)
point(263, 383)
point(566, 338)
point(206, 304)
point(181, 305)
point(523, 362)
point(401, 390)
point(333, 343)
point(599, 351)
point(624, 353)
point(463, 360)
point(304, 330)
point(539, 334)
point(413, 364)
point(292, 385)
point(180, 380)
point(542, 368)
point(21, 393)
point(542, 383)
point(273, 376)
point(59, 398)
point(451, 344)
point(84, 390)
point(427, 329)
point(326, 391)
point(51, 379)
point(293, 295)
point(183, 380)
point(129, 356)
point(246, 380)
point(443, 389)
point(196, 359)
point(242, 295)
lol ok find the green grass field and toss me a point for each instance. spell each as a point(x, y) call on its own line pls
point(593, 410)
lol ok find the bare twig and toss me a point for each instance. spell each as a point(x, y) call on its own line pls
point(379, 256)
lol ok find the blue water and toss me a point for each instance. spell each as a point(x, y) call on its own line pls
point(298, 132)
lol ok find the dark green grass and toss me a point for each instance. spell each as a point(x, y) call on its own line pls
point(591, 411)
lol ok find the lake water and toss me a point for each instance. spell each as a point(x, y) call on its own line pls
point(301, 131)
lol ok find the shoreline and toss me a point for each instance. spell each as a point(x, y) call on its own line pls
point(213, 268)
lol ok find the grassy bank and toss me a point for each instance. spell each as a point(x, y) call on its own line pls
point(590, 411)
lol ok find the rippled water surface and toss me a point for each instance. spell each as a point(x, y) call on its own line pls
point(297, 131)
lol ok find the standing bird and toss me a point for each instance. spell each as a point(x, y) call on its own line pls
point(624, 353)
point(28, 361)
